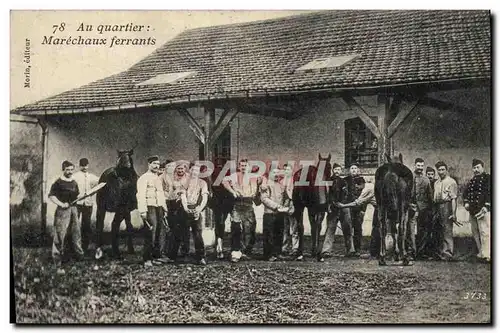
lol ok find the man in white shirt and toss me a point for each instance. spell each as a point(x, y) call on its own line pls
point(86, 181)
point(152, 207)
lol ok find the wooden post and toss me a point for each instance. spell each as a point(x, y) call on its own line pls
point(208, 155)
point(384, 144)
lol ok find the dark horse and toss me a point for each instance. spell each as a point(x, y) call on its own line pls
point(314, 197)
point(393, 186)
point(119, 197)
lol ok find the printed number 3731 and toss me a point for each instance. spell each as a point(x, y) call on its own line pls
point(475, 296)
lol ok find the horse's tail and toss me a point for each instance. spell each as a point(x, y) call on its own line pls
point(391, 194)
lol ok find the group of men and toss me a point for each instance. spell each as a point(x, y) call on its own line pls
point(171, 198)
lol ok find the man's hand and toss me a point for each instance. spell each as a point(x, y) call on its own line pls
point(413, 207)
point(466, 206)
point(340, 205)
point(453, 217)
point(65, 205)
point(144, 215)
point(481, 213)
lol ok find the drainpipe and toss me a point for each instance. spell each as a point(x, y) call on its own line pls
point(45, 132)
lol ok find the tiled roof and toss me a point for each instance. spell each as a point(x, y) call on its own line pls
point(395, 47)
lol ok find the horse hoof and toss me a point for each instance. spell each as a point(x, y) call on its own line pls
point(407, 262)
point(98, 253)
point(382, 263)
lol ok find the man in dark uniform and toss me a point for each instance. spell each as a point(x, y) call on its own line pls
point(357, 212)
point(477, 200)
point(338, 194)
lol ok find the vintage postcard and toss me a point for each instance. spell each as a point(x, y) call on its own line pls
point(242, 167)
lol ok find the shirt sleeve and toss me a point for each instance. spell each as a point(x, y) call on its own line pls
point(160, 195)
point(204, 188)
point(54, 190)
point(365, 196)
point(466, 193)
point(94, 181)
point(265, 197)
point(141, 195)
point(487, 201)
point(453, 189)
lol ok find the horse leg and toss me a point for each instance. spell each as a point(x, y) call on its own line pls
point(314, 232)
point(298, 236)
point(319, 216)
point(382, 216)
point(404, 224)
point(100, 215)
point(115, 230)
point(130, 233)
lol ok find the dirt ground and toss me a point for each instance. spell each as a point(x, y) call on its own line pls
point(341, 290)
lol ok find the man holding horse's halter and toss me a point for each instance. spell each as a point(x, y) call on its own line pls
point(152, 207)
point(357, 213)
point(367, 196)
point(338, 195)
point(445, 197)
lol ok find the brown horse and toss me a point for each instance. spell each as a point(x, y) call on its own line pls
point(314, 197)
point(118, 196)
point(393, 186)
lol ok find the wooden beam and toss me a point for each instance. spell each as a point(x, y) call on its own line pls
point(271, 111)
point(224, 120)
point(400, 118)
point(193, 124)
point(362, 114)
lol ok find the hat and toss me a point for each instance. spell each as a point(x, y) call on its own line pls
point(66, 164)
point(440, 164)
point(354, 164)
point(429, 169)
point(84, 162)
point(336, 165)
point(153, 158)
point(476, 162)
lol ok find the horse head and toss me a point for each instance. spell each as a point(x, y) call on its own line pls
point(394, 159)
point(125, 160)
point(327, 172)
